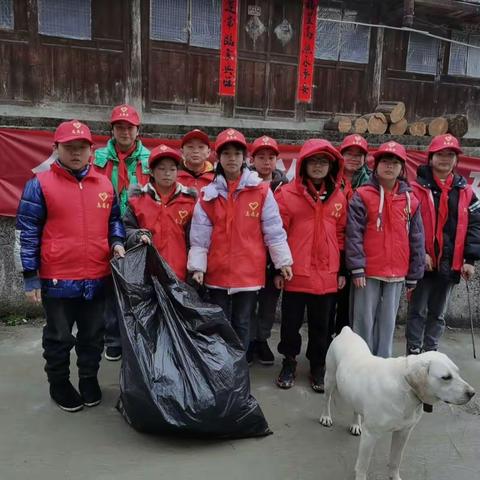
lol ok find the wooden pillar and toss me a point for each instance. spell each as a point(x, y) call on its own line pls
point(376, 90)
point(408, 12)
point(133, 88)
point(35, 67)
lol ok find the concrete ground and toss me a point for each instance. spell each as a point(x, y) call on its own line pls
point(39, 441)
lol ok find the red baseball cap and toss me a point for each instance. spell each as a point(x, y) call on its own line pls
point(125, 113)
point(391, 148)
point(162, 151)
point(444, 142)
point(72, 130)
point(202, 136)
point(264, 142)
point(354, 140)
point(230, 135)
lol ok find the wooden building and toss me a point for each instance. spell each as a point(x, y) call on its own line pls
point(163, 55)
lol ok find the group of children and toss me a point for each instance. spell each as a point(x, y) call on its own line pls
point(339, 240)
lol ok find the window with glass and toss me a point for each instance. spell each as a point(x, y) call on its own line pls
point(65, 18)
point(422, 54)
point(6, 14)
point(195, 22)
point(342, 40)
point(464, 60)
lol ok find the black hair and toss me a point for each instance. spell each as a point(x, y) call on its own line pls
point(157, 160)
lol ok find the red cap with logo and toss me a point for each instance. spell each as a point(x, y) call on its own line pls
point(354, 140)
point(444, 142)
point(264, 142)
point(230, 135)
point(72, 130)
point(125, 113)
point(391, 148)
point(163, 151)
point(202, 136)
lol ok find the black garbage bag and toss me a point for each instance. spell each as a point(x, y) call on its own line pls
point(184, 370)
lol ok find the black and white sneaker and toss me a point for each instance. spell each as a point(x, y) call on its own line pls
point(286, 379)
point(90, 391)
point(63, 393)
point(113, 354)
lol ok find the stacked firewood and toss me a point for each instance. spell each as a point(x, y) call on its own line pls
point(389, 117)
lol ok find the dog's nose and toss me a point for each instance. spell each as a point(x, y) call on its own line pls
point(470, 393)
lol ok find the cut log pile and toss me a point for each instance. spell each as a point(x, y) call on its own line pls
point(389, 117)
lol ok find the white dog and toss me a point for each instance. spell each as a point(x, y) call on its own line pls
point(387, 394)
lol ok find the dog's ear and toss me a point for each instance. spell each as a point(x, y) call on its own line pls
point(416, 377)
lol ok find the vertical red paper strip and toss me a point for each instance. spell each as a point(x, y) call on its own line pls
point(228, 48)
point(307, 51)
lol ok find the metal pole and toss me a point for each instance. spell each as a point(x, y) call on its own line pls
point(471, 319)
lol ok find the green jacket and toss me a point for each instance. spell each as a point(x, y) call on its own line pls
point(108, 154)
point(361, 176)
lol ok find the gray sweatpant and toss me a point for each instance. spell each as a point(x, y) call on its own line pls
point(374, 310)
point(426, 312)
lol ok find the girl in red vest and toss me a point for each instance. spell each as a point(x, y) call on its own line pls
point(313, 210)
point(384, 248)
point(234, 221)
point(451, 217)
point(160, 212)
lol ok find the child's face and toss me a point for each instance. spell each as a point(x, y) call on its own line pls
point(317, 167)
point(124, 134)
point(195, 152)
point(389, 168)
point(165, 172)
point(231, 160)
point(265, 161)
point(354, 159)
point(444, 161)
point(75, 154)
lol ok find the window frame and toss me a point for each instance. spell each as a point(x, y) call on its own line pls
point(11, 26)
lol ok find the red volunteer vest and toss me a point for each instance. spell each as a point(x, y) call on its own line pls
point(188, 180)
point(75, 235)
point(167, 223)
point(429, 220)
point(237, 256)
point(387, 250)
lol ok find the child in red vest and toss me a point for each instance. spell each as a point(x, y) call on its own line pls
point(160, 212)
point(313, 210)
point(234, 220)
point(451, 217)
point(384, 248)
point(68, 223)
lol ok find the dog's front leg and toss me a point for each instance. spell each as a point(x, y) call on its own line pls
point(326, 417)
point(365, 450)
point(399, 440)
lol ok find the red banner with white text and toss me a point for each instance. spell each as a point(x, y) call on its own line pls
point(26, 152)
point(228, 48)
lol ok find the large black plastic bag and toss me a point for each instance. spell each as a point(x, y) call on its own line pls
point(184, 369)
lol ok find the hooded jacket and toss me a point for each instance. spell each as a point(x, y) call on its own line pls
point(385, 233)
point(166, 224)
point(461, 234)
point(228, 238)
point(315, 229)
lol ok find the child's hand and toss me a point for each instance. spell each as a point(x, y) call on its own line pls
point(34, 296)
point(360, 282)
point(341, 282)
point(145, 239)
point(467, 271)
point(118, 251)
point(286, 272)
point(279, 282)
point(428, 263)
point(198, 277)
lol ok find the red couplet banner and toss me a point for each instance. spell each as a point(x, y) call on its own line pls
point(26, 152)
point(307, 51)
point(228, 48)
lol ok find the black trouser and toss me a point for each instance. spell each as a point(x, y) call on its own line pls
point(262, 322)
point(238, 308)
point(111, 317)
point(340, 316)
point(57, 340)
point(319, 309)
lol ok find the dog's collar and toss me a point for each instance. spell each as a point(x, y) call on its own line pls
point(427, 408)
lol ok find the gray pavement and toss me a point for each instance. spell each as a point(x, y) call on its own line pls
point(39, 441)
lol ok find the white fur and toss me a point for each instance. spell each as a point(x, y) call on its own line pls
point(387, 395)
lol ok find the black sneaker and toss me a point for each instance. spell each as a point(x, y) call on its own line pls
point(251, 352)
point(113, 353)
point(414, 351)
point(90, 391)
point(65, 396)
point(317, 375)
point(265, 355)
point(286, 379)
